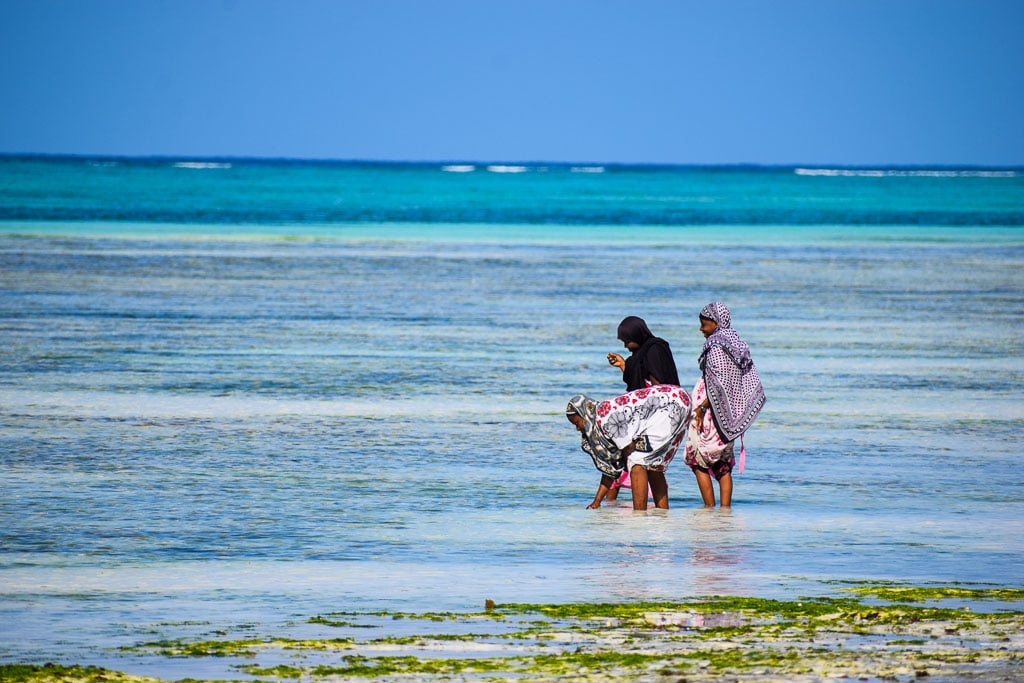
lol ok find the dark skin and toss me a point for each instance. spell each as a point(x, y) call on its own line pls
point(639, 477)
point(614, 493)
point(704, 482)
point(707, 328)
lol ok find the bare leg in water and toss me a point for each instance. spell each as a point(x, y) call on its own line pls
point(640, 479)
point(725, 489)
point(707, 489)
point(659, 489)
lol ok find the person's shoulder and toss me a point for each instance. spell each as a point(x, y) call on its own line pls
point(716, 355)
point(659, 341)
point(662, 344)
point(717, 348)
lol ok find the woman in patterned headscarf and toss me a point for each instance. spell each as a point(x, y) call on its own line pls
point(730, 393)
point(639, 431)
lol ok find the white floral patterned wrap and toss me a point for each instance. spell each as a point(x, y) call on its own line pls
point(653, 419)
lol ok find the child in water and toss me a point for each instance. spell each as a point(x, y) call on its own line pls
point(638, 432)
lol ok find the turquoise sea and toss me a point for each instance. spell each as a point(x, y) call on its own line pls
point(235, 394)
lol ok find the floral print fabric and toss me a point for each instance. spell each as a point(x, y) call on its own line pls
point(704, 447)
point(654, 419)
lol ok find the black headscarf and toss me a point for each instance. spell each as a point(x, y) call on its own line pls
point(634, 329)
point(652, 359)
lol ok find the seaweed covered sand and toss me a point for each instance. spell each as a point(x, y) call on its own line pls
point(871, 632)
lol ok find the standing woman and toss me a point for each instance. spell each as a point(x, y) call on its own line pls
point(727, 399)
point(651, 361)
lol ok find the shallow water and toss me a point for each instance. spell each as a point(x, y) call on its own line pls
point(213, 429)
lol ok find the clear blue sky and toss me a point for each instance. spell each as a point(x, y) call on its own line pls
point(857, 82)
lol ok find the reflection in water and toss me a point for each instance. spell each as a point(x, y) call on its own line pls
point(669, 555)
point(718, 549)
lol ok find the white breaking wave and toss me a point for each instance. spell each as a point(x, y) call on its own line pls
point(587, 169)
point(886, 173)
point(507, 169)
point(201, 164)
point(459, 168)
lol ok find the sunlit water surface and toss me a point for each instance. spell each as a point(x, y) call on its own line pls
point(236, 432)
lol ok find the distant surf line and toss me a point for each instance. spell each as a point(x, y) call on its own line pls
point(201, 164)
point(515, 168)
point(902, 173)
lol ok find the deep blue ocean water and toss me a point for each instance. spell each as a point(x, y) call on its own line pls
point(248, 392)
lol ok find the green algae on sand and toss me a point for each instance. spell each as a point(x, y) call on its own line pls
point(890, 638)
point(53, 673)
point(897, 593)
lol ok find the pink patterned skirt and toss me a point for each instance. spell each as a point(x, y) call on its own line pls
point(705, 449)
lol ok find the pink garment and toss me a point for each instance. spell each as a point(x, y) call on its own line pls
point(705, 447)
point(623, 482)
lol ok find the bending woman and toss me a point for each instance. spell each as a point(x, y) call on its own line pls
point(729, 392)
point(639, 431)
point(651, 361)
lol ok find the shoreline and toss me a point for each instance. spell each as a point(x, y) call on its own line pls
point(888, 632)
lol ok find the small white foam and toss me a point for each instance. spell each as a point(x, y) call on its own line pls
point(587, 169)
point(201, 164)
point(459, 168)
point(902, 173)
point(507, 169)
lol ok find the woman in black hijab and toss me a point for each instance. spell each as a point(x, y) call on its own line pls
point(651, 361)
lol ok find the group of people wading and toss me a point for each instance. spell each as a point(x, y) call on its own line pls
point(633, 437)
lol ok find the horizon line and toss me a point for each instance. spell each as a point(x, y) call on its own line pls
point(484, 162)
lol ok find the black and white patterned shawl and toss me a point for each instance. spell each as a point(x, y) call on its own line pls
point(607, 458)
point(730, 378)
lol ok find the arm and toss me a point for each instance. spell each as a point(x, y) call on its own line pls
point(602, 491)
point(617, 361)
point(700, 411)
